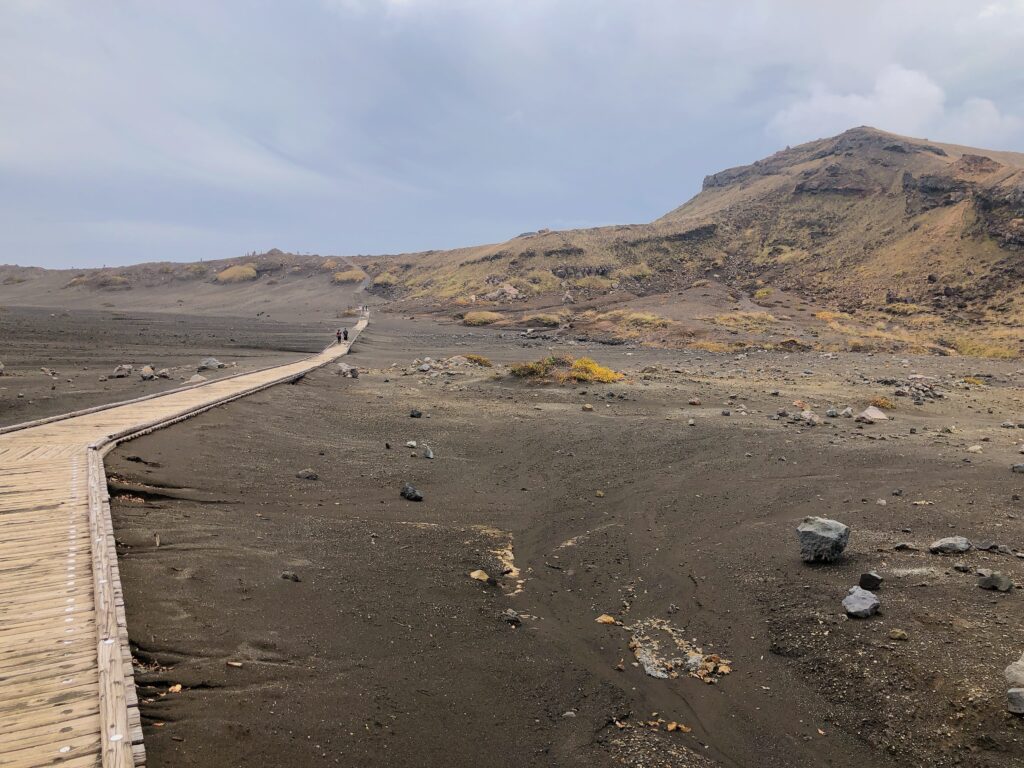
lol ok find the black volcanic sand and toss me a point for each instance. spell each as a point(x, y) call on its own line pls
point(82, 347)
point(386, 652)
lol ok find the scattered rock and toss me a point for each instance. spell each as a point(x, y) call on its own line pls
point(694, 401)
point(1014, 673)
point(821, 539)
point(604, 618)
point(410, 493)
point(898, 634)
point(122, 372)
point(427, 453)
point(307, 474)
point(587, 407)
point(163, 373)
point(860, 604)
point(905, 546)
point(870, 581)
point(994, 580)
point(509, 616)
point(210, 364)
point(1015, 701)
point(1018, 468)
point(415, 414)
point(870, 415)
point(951, 545)
point(147, 373)
point(196, 379)
point(349, 371)
point(290, 576)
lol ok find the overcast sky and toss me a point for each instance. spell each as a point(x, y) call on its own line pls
point(145, 130)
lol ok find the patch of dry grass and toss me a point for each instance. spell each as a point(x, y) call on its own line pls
point(239, 273)
point(762, 293)
point(565, 369)
point(718, 347)
point(971, 347)
point(883, 402)
point(355, 275)
point(746, 321)
point(480, 318)
point(543, 319)
point(634, 319)
point(384, 280)
point(480, 360)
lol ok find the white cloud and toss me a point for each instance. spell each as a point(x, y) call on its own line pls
point(900, 100)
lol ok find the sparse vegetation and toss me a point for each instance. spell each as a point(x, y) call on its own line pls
point(384, 280)
point(719, 347)
point(480, 318)
point(593, 283)
point(971, 347)
point(904, 310)
point(634, 319)
point(347, 276)
point(745, 321)
point(883, 402)
point(974, 381)
point(544, 320)
point(564, 369)
point(762, 293)
point(238, 273)
point(480, 360)
point(639, 271)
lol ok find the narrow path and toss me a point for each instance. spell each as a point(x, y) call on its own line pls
point(67, 695)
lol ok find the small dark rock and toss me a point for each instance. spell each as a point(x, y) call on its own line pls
point(870, 581)
point(415, 414)
point(410, 493)
point(290, 576)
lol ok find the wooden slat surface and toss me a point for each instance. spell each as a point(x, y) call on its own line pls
point(67, 696)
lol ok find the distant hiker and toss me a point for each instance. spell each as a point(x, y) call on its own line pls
point(338, 334)
point(344, 334)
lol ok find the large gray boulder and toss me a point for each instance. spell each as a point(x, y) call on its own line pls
point(994, 580)
point(860, 604)
point(951, 545)
point(822, 540)
point(1014, 673)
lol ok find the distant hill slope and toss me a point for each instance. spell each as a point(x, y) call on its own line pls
point(927, 237)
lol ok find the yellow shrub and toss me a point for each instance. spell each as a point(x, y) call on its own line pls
point(747, 321)
point(639, 271)
point(635, 319)
point(593, 282)
point(829, 316)
point(974, 381)
point(883, 402)
point(975, 348)
point(585, 369)
point(385, 280)
point(480, 318)
point(565, 369)
point(480, 360)
point(239, 273)
point(349, 276)
point(762, 293)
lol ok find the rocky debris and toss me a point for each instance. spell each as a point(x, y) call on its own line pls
point(346, 370)
point(1, 369)
point(870, 581)
point(307, 474)
point(587, 407)
point(290, 576)
point(210, 364)
point(898, 634)
point(605, 618)
point(1015, 701)
point(994, 580)
point(147, 373)
point(122, 371)
point(905, 546)
point(951, 545)
point(425, 368)
point(409, 492)
point(163, 373)
point(861, 604)
point(870, 415)
point(196, 379)
point(427, 453)
point(503, 291)
point(415, 414)
point(665, 653)
point(920, 389)
point(821, 539)
point(410, 443)
point(1018, 469)
point(511, 617)
point(694, 401)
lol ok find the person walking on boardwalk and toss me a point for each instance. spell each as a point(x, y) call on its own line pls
point(344, 334)
point(338, 335)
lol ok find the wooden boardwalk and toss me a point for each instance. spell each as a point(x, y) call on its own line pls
point(67, 695)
